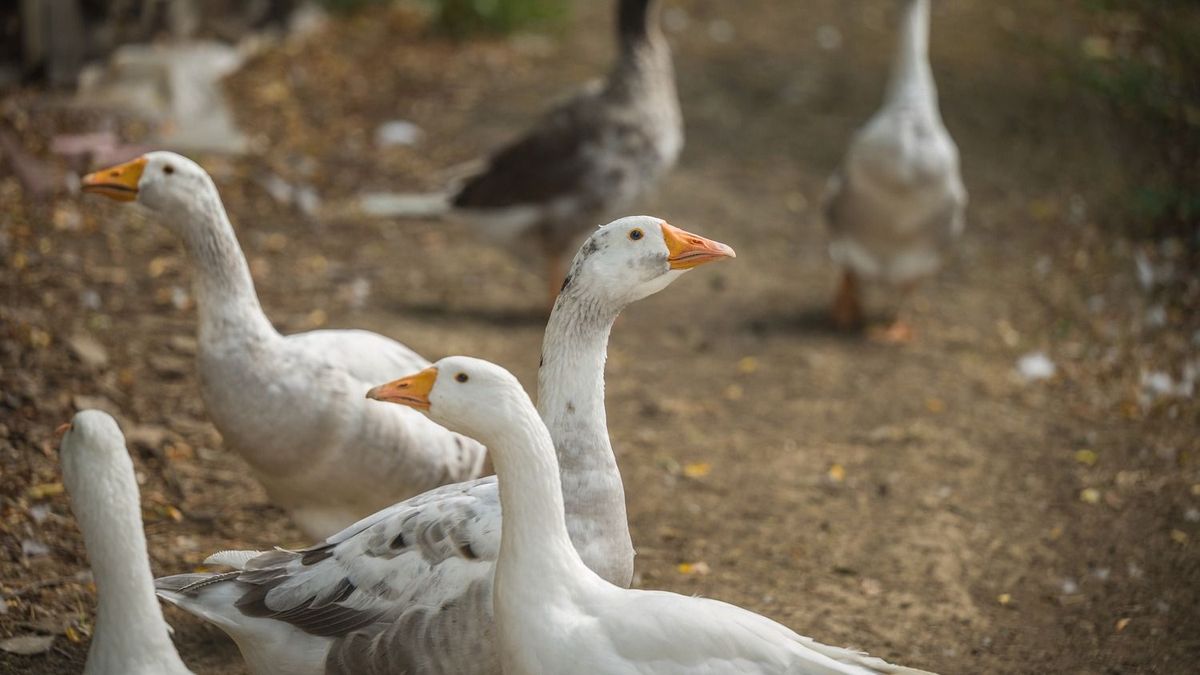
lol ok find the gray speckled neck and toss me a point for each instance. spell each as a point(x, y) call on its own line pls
point(571, 402)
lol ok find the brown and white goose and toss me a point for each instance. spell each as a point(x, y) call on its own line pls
point(897, 202)
point(588, 157)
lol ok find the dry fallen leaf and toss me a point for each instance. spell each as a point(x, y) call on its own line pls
point(1004, 599)
point(1089, 496)
point(43, 490)
point(697, 469)
point(1086, 457)
point(837, 473)
point(699, 568)
point(1179, 536)
point(747, 365)
point(1122, 623)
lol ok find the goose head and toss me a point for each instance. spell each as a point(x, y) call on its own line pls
point(474, 397)
point(91, 440)
point(637, 256)
point(161, 181)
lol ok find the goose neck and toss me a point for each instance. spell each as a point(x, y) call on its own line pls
point(535, 546)
point(571, 402)
point(225, 296)
point(912, 76)
point(129, 623)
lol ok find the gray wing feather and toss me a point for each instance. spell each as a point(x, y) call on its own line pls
point(396, 590)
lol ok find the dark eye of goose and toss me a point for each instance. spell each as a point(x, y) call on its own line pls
point(636, 234)
point(168, 169)
point(462, 377)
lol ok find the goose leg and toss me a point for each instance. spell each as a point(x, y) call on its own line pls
point(899, 331)
point(847, 308)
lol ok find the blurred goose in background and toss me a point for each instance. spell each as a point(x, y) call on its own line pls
point(553, 613)
point(588, 157)
point(130, 636)
point(409, 590)
point(291, 406)
point(898, 200)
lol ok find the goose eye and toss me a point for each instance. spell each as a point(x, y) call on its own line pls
point(168, 169)
point(636, 234)
point(461, 377)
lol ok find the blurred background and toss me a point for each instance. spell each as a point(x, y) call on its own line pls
point(1016, 491)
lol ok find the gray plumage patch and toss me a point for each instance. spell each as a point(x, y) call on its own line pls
point(467, 552)
point(314, 556)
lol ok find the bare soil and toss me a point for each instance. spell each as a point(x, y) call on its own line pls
point(920, 502)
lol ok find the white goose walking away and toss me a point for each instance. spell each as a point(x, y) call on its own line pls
point(898, 201)
point(292, 405)
point(553, 613)
point(130, 636)
point(410, 588)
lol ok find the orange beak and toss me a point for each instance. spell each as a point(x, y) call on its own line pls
point(687, 250)
point(119, 182)
point(412, 391)
point(61, 430)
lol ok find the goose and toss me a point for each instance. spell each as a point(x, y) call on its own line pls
point(130, 635)
point(291, 405)
point(591, 155)
point(553, 613)
point(898, 200)
point(409, 588)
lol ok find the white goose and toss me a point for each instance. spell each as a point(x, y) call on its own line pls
point(291, 406)
point(409, 589)
point(130, 637)
point(898, 200)
point(553, 613)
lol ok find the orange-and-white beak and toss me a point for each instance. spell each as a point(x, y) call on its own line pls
point(687, 250)
point(119, 182)
point(412, 391)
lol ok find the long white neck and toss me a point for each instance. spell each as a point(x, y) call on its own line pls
point(571, 402)
point(912, 78)
point(130, 630)
point(535, 546)
point(225, 297)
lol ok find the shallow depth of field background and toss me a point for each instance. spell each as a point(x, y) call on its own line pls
point(926, 503)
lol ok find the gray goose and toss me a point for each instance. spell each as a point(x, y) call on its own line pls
point(897, 203)
point(588, 157)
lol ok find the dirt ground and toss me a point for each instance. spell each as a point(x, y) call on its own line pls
point(921, 502)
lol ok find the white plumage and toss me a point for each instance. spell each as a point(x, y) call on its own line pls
point(130, 637)
point(291, 406)
point(409, 589)
point(553, 613)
